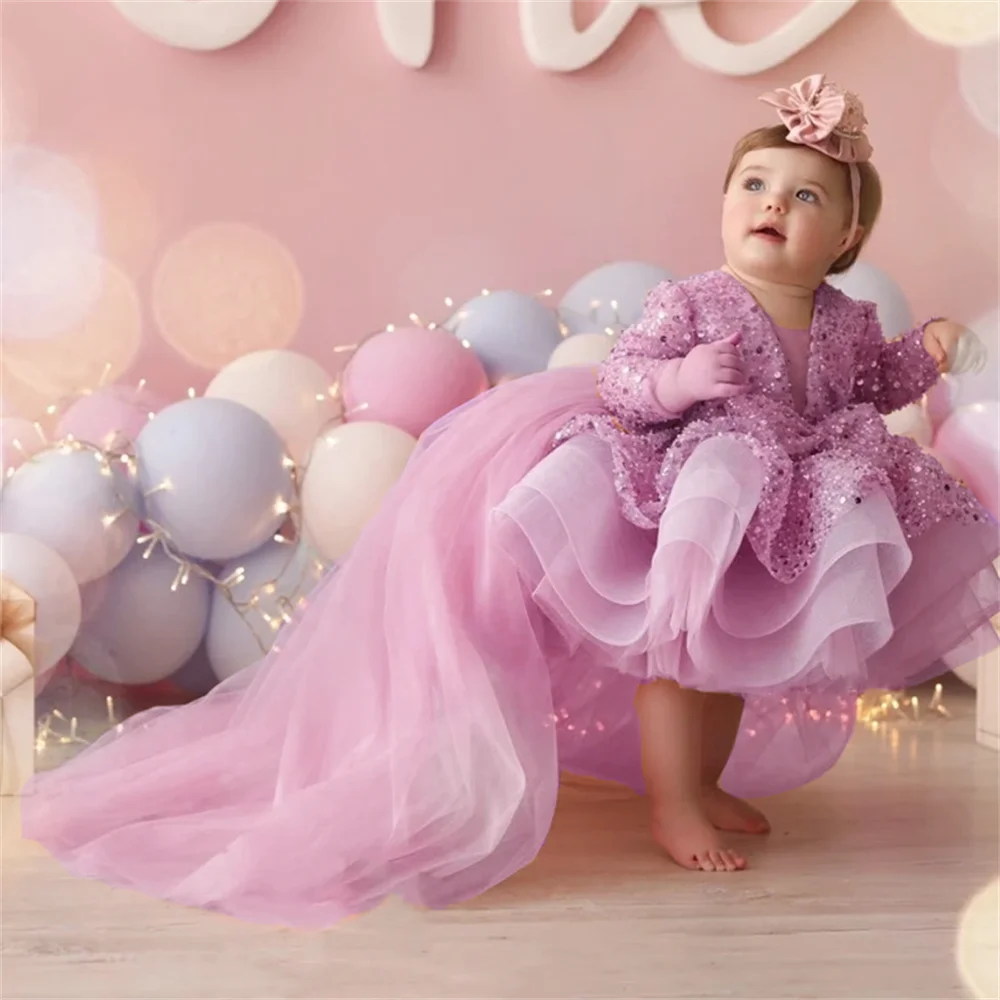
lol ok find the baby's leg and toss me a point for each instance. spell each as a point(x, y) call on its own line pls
point(720, 724)
point(670, 722)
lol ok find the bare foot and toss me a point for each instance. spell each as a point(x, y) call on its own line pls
point(685, 833)
point(726, 812)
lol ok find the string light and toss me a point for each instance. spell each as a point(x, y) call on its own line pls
point(877, 708)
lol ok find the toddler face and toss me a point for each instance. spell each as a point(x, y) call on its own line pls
point(786, 215)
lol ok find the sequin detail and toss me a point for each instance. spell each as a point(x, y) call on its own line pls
point(817, 464)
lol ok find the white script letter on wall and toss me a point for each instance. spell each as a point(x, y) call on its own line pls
point(548, 31)
point(407, 28)
point(202, 26)
point(553, 42)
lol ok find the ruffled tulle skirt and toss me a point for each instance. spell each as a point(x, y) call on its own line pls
point(489, 628)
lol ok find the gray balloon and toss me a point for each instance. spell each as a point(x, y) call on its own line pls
point(610, 297)
point(139, 630)
point(865, 282)
point(236, 640)
point(82, 508)
point(512, 334)
point(213, 474)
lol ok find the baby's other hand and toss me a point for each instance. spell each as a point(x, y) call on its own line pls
point(954, 348)
point(713, 371)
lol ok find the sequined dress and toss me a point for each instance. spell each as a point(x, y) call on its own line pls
point(551, 546)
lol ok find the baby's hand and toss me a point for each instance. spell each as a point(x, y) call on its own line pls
point(954, 348)
point(712, 371)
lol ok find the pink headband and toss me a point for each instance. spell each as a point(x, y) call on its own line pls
point(832, 121)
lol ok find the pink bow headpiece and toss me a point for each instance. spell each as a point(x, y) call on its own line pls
point(832, 121)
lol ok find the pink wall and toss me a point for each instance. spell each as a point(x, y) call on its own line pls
point(394, 187)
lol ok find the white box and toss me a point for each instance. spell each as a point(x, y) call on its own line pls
point(17, 721)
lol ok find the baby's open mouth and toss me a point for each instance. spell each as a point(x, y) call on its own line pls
point(769, 233)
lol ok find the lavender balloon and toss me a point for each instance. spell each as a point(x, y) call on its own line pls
point(214, 474)
point(282, 575)
point(611, 297)
point(140, 630)
point(511, 333)
point(867, 283)
point(79, 503)
point(196, 676)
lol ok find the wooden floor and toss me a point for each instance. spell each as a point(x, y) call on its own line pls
point(858, 893)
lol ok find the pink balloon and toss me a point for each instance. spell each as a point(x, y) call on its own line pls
point(19, 440)
point(409, 378)
point(941, 401)
point(969, 442)
point(117, 412)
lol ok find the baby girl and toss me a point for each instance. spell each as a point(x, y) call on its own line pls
point(680, 582)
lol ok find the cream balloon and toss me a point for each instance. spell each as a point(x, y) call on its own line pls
point(911, 422)
point(290, 391)
point(968, 673)
point(46, 577)
point(977, 945)
point(582, 350)
point(351, 469)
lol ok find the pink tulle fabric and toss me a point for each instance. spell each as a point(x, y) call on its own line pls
point(489, 628)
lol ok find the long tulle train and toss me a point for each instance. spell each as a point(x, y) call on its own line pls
point(407, 733)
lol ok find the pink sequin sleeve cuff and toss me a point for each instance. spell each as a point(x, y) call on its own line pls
point(893, 373)
point(631, 378)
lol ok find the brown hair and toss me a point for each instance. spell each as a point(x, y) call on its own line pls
point(776, 137)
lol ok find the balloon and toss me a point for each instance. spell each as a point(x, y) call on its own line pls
point(143, 629)
point(351, 469)
point(511, 333)
point(968, 440)
point(19, 440)
point(113, 415)
point(912, 422)
point(968, 673)
point(43, 575)
point(290, 391)
point(581, 351)
point(77, 502)
point(282, 575)
point(215, 475)
point(940, 400)
point(196, 676)
point(985, 385)
point(409, 378)
point(867, 283)
point(610, 297)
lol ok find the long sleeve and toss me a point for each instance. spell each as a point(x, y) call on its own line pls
point(891, 374)
point(627, 379)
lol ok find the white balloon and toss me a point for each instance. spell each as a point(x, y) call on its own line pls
point(582, 351)
point(912, 422)
point(984, 385)
point(80, 506)
point(351, 469)
point(967, 673)
point(44, 576)
point(290, 391)
point(867, 283)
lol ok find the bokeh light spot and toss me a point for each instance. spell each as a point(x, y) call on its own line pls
point(225, 290)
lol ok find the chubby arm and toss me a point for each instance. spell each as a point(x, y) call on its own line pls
point(646, 356)
point(891, 374)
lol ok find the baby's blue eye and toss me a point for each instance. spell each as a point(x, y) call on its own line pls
point(753, 184)
point(807, 196)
